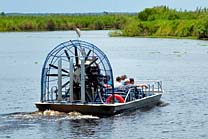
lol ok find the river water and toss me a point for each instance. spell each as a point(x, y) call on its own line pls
point(181, 64)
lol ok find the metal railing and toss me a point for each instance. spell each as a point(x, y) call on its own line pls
point(143, 88)
point(150, 85)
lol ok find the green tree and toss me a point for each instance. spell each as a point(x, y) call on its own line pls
point(3, 14)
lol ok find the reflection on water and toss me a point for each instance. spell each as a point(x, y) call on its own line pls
point(180, 64)
point(162, 104)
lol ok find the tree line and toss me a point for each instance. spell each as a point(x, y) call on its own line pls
point(160, 21)
point(62, 22)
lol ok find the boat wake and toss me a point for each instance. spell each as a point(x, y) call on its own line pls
point(47, 115)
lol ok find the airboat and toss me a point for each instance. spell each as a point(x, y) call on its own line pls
point(77, 76)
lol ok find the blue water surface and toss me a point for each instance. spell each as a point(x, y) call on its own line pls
point(180, 63)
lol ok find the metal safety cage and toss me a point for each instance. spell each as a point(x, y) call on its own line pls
point(58, 73)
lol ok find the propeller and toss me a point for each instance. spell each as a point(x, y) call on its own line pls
point(51, 65)
point(56, 75)
point(87, 55)
point(67, 55)
point(65, 84)
point(70, 54)
point(92, 62)
point(76, 56)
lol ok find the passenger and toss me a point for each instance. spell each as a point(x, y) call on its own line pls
point(130, 83)
point(126, 82)
point(123, 79)
point(107, 82)
point(131, 80)
point(107, 86)
point(125, 86)
point(118, 82)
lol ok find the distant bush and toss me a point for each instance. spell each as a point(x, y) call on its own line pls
point(160, 12)
point(165, 22)
point(132, 29)
point(185, 28)
point(2, 14)
point(202, 28)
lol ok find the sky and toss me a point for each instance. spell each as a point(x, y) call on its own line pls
point(90, 6)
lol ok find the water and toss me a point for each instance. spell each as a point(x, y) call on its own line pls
point(180, 64)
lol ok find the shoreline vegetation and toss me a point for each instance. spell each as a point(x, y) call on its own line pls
point(156, 22)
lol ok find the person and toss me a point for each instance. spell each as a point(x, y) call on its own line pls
point(125, 85)
point(118, 82)
point(126, 82)
point(123, 79)
point(131, 81)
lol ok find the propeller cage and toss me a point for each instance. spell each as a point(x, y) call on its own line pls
point(76, 71)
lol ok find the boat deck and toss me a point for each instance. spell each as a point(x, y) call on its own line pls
point(99, 109)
